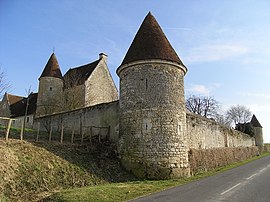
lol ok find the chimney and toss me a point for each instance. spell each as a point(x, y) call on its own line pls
point(103, 56)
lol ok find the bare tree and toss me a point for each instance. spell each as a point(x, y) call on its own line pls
point(203, 105)
point(4, 84)
point(238, 114)
point(222, 120)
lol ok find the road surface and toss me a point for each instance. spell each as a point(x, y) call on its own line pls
point(250, 182)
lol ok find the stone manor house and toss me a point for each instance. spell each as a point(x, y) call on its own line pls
point(149, 121)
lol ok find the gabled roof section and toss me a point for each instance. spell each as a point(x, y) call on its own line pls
point(13, 98)
point(18, 108)
point(254, 121)
point(150, 43)
point(78, 75)
point(52, 68)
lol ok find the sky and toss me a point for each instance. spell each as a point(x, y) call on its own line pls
point(224, 44)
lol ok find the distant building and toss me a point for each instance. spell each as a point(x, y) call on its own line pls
point(80, 87)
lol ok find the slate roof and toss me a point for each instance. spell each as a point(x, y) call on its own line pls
point(78, 75)
point(18, 108)
point(52, 68)
point(150, 43)
point(254, 121)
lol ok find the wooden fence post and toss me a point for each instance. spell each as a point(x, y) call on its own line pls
point(8, 128)
point(21, 133)
point(99, 134)
point(37, 137)
point(91, 131)
point(62, 133)
point(50, 134)
point(82, 137)
point(109, 133)
point(72, 136)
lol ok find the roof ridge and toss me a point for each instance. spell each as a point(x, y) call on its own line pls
point(82, 66)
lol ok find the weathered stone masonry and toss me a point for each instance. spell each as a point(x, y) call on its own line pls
point(153, 119)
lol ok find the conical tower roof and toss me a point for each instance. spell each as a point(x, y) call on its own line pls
point(150, 43)
point(254, 121)
point(52, 68)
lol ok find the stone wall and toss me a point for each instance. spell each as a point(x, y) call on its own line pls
point(80, 120)
point(99, 87)
point(17, 123)
point(203, 133)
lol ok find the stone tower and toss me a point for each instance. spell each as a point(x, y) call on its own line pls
point(258, 134)
point(152, 106)
point(50, 88)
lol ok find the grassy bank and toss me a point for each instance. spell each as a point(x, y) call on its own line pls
point(130, 190)
point(30, 171)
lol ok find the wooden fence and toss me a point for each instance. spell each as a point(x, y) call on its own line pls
point(88, 134)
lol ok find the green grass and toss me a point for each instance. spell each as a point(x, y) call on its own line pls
point(15, 129)
point(130, 190)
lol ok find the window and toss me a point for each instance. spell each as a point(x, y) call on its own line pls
point(146, 84)
point(27, 119)
point(50, 88)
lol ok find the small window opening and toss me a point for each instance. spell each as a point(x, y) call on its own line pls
point(146, 126)
point(50, 88)
point(146, 84)
point(27, 119)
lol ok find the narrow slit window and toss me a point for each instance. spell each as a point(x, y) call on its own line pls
point(146, 84)
point(50, 88)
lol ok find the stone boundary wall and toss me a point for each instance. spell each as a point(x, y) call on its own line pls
point(80, 120)
point(203, 133)
point(202, 160)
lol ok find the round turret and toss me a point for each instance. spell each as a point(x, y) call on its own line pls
point(50, 89)
point(152, 107)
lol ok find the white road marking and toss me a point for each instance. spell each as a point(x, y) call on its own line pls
point(262, 170)
point(251, 176)
point(230, 189)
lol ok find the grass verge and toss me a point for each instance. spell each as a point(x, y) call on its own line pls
point(130, 190)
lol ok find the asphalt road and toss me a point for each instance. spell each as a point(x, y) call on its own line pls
point(247, 183)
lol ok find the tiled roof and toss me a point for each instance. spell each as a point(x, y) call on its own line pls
point(18, 108)
point(78, 75)
point(52, 68)
point(150, 43)
point(254, 121)
point(13, 98)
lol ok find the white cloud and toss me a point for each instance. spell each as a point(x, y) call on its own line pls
point(217, 52)
point(202, 89)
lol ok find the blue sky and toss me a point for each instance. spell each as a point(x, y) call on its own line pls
point(224, 44)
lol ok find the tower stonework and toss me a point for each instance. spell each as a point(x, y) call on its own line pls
point(152, 123)
point(258, 134)
point(50, 88)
